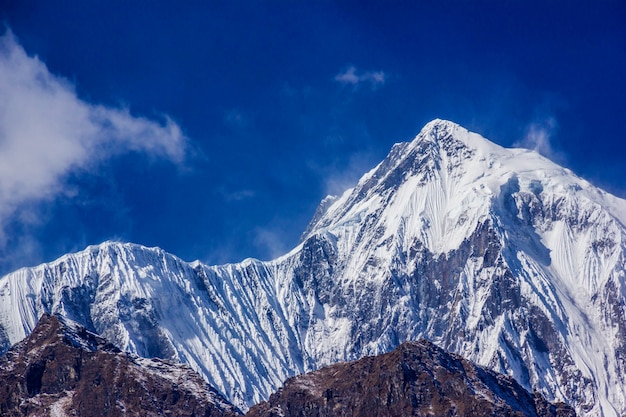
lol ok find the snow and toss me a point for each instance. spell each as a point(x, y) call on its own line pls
point(57, 409)
point(422, 246)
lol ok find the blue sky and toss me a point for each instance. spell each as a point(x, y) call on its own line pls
point(213, 128)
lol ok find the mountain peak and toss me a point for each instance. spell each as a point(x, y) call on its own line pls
point(441, 124)
point(459, 170)
point(444, 158)
point(435, 127)
point(451, 138)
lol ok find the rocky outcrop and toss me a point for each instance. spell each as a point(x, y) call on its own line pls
point(417, 379)
point(64, 370)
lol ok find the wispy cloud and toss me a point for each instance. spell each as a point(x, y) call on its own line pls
point(339, 181)
point(47, 132)
point(236, 118)
point(342, 175)
point(271, 241)
point(538, 137)
point(352, 76)
point(239, 195)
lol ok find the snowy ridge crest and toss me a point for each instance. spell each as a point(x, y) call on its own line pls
point(496, 254)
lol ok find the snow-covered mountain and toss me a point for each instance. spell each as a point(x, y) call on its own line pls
point(496, 254)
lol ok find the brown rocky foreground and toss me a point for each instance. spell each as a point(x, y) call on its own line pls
point(62, 369)
point(416, 379)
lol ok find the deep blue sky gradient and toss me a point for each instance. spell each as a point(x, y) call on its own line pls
point(252, 84)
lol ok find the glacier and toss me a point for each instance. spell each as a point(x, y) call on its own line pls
point(496, 254)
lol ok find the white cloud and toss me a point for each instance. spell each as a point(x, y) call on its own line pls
point(271, 241)
point(236, 118)
point(538, 138)
point(47, 132)
point(355, 78)
point(239, 195)
point(344, 174)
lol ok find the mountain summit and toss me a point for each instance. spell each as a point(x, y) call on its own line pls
point(496, 254)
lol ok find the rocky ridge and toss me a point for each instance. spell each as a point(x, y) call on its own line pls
point(416, 379)
point(63, 370)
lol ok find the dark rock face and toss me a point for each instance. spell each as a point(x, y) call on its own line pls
point(62, 369)
point(417, 379)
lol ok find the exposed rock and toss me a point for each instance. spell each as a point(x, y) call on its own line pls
point(62, 369)
point(416, 379)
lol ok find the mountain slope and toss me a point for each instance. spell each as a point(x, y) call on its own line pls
point(496, 254)
point(416, 379)
point(61, 369)
point(219, 320)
